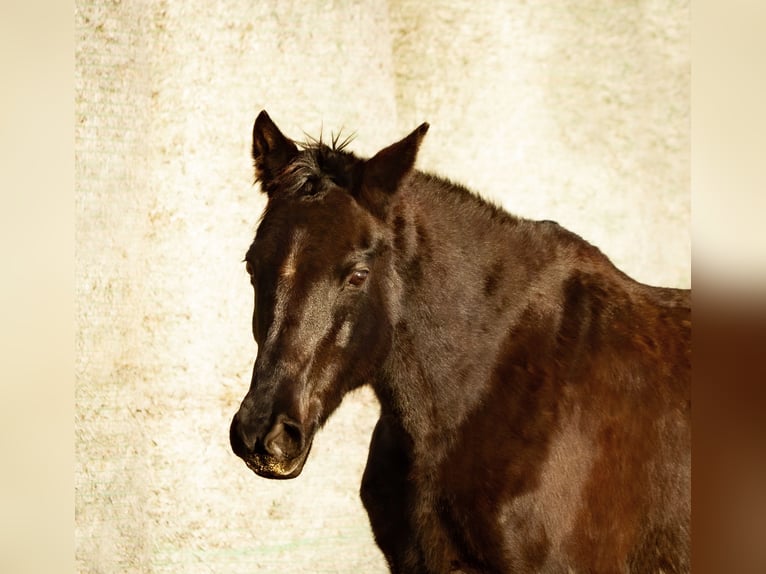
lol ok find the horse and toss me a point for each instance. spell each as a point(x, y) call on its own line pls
point(534, 399)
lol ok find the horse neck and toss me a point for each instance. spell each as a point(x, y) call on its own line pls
point(466, 269)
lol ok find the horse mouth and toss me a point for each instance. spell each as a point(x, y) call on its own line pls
point(267, 466)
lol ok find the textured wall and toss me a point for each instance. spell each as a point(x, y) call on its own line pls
point(576, 111)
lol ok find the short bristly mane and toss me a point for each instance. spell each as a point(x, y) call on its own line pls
point(317, 160)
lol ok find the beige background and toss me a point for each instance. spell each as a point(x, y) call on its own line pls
point(575, 111)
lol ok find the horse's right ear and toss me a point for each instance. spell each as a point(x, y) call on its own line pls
point(272, 151)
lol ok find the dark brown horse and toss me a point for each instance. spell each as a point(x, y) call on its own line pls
point(535, 400)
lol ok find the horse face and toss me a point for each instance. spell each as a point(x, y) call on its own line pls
point(324, 301)
point(326, 293)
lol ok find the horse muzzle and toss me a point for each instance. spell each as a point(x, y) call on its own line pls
point(279, 453)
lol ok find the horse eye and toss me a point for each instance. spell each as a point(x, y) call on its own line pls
point(311, 187)
point(358, 277)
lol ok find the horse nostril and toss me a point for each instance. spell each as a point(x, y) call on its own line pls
point(238, 441)
point(284, 440)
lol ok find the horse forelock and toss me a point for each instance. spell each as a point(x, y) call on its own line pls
point(316, 162)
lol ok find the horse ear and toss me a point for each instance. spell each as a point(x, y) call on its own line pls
point(384, 172)
point(271, 150)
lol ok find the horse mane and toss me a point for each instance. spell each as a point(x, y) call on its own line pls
point(318, 160)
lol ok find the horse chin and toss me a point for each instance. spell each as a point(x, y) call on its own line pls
point(268, 466)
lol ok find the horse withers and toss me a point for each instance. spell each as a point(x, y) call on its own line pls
point(534, 400)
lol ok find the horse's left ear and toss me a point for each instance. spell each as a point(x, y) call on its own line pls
point(384, 172)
